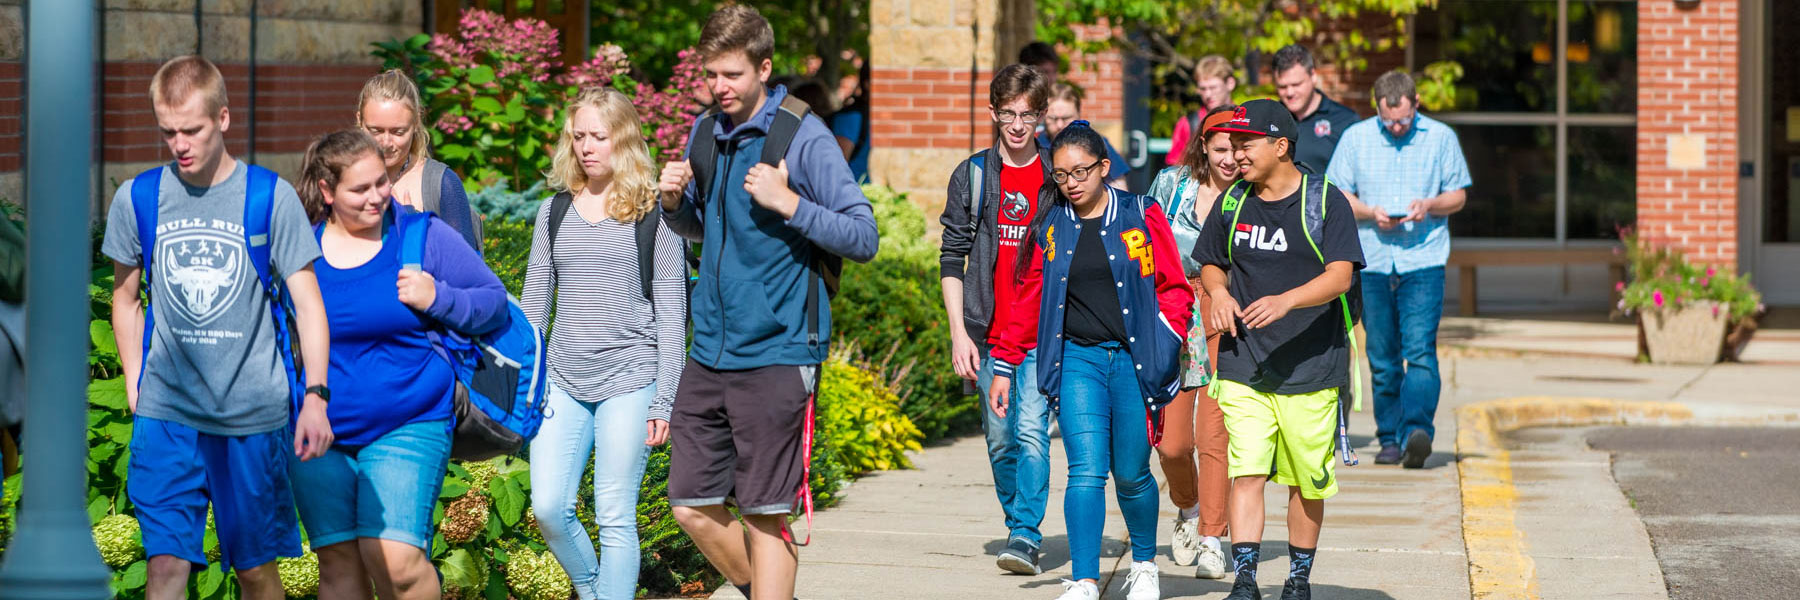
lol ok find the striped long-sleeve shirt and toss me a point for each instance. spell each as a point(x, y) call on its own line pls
point(608, 340)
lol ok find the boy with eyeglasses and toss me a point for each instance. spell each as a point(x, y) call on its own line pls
point(991, 201)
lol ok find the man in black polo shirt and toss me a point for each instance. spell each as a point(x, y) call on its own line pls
point(1322, 121)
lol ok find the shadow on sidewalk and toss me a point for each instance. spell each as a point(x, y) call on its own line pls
point(1054, 552)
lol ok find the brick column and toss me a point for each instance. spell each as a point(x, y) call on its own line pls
point(1687, 90)
point(12, 100)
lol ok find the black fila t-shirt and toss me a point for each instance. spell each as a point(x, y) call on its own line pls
point(1304, 351)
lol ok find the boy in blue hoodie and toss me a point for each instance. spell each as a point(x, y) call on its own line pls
point(767, 233)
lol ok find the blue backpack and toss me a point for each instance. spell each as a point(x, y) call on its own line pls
point(501, 376)
point(259, 201)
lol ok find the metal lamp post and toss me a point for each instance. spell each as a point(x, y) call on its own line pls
point(52, 555)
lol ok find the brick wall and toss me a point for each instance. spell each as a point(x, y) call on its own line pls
point(929, 107)
point(1687, 85)
point(293, 104)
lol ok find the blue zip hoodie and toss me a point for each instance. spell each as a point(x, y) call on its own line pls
point(749, 307)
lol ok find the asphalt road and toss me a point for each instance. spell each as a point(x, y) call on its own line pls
point(1722, 505)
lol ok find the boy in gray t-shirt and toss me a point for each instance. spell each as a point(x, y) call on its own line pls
point(211, 396)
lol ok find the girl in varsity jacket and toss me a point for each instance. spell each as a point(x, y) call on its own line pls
point(1105, 294)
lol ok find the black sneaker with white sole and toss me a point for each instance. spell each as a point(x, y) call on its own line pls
point(1244, 589)
point(1418, 448)
point(1020, 556)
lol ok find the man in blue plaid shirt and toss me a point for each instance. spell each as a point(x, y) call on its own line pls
point(1405, 175)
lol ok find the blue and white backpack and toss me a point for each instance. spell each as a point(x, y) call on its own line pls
point(259, 200)
point(501, 376)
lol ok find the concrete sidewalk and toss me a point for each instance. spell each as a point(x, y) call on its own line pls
point(933, 532)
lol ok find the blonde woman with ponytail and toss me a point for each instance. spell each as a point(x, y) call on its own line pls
point(389, 110)
point(615, 355)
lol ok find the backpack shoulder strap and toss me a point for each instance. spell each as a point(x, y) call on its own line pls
point(1312, 210)
point(1234, 199)
point(412, 228)
point(431, 184)
point(645, 232)
point(703, 156)
point(259, 205)
point(977, 178)
point(788, 118)
point(559, 207)
point(146, 193)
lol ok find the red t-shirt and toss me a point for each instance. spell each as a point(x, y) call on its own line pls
point(1018, 203)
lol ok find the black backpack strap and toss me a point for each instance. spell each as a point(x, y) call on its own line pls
point(703, 155)
point(788, 118)
point(559, 207)
point(824, 266)
point(646, 247)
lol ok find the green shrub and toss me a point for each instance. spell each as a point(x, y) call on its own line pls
point(500, 201)
point(889, 313)
point(506, 244)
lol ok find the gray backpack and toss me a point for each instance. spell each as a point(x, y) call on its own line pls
point(431, 188)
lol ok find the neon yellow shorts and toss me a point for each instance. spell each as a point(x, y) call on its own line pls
point(1293, 432)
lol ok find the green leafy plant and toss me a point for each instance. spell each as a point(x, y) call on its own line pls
point(1662, 278)
point(495, 89)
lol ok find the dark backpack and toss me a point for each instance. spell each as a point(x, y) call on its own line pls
point(259, 204)
point(704, 158)
point(501, 376)
point(644, 231)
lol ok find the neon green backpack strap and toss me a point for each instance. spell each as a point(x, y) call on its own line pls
point(1343, 301)
point(1234, 198)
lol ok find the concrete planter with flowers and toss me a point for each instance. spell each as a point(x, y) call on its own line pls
point(1687, 313)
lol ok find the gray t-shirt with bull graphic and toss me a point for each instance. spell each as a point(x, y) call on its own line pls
point(212, 364)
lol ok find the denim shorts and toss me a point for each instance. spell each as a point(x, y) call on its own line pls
point(176, 470)
point(385, 490)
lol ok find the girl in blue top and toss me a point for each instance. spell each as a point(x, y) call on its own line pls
point(366, 505)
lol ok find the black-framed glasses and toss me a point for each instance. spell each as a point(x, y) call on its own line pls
point(1080, 174)
point(1007, 116)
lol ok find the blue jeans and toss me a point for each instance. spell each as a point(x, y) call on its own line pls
point(1103, 428)
point(385, 490)
point(1400, 315)
point(612, 431)
point(1019, 449)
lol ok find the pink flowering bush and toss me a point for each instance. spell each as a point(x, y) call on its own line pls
point(1663, 278)
point(494, 92)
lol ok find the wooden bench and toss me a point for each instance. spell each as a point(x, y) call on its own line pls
point(1465, 260)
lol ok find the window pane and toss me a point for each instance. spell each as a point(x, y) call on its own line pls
point(1602, 56)
point(1513, 168)
point(1507, 49)
point(1602, 181)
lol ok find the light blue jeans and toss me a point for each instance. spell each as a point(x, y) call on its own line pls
point(612, 430)
point(1019, 449)
point(1104, 429)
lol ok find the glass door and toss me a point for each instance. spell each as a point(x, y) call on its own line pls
point(1778, 229)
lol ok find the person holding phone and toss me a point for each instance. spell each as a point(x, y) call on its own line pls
point(1404, 174)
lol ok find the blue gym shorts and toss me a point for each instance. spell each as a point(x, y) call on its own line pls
point(176, 470)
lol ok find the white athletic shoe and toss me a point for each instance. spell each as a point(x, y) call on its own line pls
point(1079, 590)
point(1184, 546)
point(1211, 563)
point(1142, 583)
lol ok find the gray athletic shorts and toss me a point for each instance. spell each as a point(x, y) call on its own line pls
point(735, 437)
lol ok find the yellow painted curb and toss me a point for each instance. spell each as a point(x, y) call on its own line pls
point(1499, 568)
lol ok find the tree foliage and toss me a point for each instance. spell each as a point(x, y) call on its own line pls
point(1173, 34)
point(803, 29)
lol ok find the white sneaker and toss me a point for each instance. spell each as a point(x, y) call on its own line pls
point(1211, 563)
point(1079, 590)
point(1142, 583)
point(1184, 546)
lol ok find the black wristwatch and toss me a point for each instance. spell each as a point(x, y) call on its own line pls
point(324, 393)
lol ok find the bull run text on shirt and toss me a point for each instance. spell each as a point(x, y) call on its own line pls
point(203, 268)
